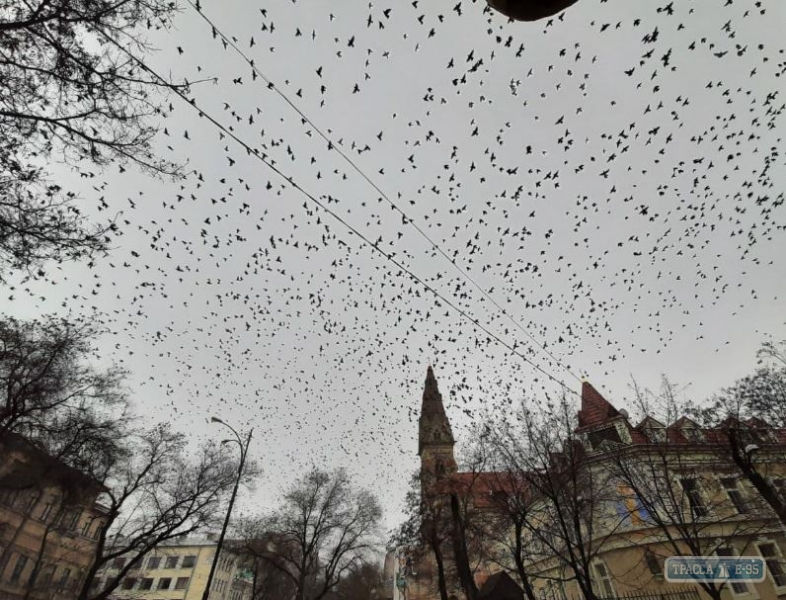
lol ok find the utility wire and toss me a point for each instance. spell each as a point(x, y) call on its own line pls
point(374, 246)
point(406, 219)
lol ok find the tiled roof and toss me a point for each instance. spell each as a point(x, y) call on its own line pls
point(483, 486)
point(595, 409)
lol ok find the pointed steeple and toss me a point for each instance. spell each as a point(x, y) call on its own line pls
point(434, 425)
point(595, 409)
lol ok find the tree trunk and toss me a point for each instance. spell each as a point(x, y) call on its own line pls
point(460, 551)
point(522, 570)
point(767, 492)
point(713, 591)
point(441, 583)
point(95, 565)
point(37, 565)
point(300, 592)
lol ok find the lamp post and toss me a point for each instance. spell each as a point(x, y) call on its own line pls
point(405, 567)
point(243, 452)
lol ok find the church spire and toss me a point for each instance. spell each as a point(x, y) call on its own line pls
point(434, 425)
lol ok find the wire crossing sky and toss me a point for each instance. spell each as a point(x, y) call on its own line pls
point(602, 192)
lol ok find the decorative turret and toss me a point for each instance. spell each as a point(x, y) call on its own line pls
point(435, 440)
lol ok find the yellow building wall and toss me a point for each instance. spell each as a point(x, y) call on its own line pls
point(197, 575)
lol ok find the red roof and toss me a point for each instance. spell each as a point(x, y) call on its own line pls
point(595, 409)
point(483, 486)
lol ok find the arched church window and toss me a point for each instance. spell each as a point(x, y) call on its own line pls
point(440, 470)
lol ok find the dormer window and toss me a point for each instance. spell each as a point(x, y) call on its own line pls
point(607, 434)
point(692, 433)
point(655, 433)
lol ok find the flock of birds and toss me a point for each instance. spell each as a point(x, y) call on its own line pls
point(520, 204)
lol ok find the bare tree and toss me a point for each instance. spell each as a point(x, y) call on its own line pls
point(70, 91)
point(505, 520)
point(155, 488)
point(750, 418)
point(56, 400)
point(686, 507)
point(323, 529)
point(746, 421)
point(156, 493)
point(360, 582)
point(563, 500)
point(251, 543)
point(761, 395)
point(46, 381)
point(426, 530)
point(39, 221)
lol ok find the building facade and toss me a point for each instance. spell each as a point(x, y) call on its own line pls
point(653, 490)
point(49, 523)
point(179, 570)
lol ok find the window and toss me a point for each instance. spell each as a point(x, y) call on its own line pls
point(697, 507)
point(86, 527)
point(181, 583)
point(171, 562)
point(70, 519)
point(554, 590)
point(99, 529)
point(608, 434)
point(604, 580)
point(48, 508)
point(655, 433)
point(129, 583)
point(8, 496)
point(21, 563)
point(164, 583)
point(119, 563)
point(630, 508)
point(64, 577)
point(31, 501)
point(735, 494)
point(499, 498)
point(737, 586)
point(146, 583)
point(33, 577)
point(772, 557)
point(153, 562)
point(692, 433)
point(653, 564)
point(188, 561)
point(136, 563)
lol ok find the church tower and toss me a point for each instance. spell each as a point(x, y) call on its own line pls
point(435, 438)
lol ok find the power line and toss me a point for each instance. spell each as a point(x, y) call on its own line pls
point(253, 152)
point(406, 219)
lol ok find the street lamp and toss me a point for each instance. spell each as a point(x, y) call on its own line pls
point(405, 567)
point(243, 453)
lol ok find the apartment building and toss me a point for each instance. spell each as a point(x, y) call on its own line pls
point(179, 570)
point(49, 523)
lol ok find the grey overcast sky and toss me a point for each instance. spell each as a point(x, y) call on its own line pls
point(613, 178)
